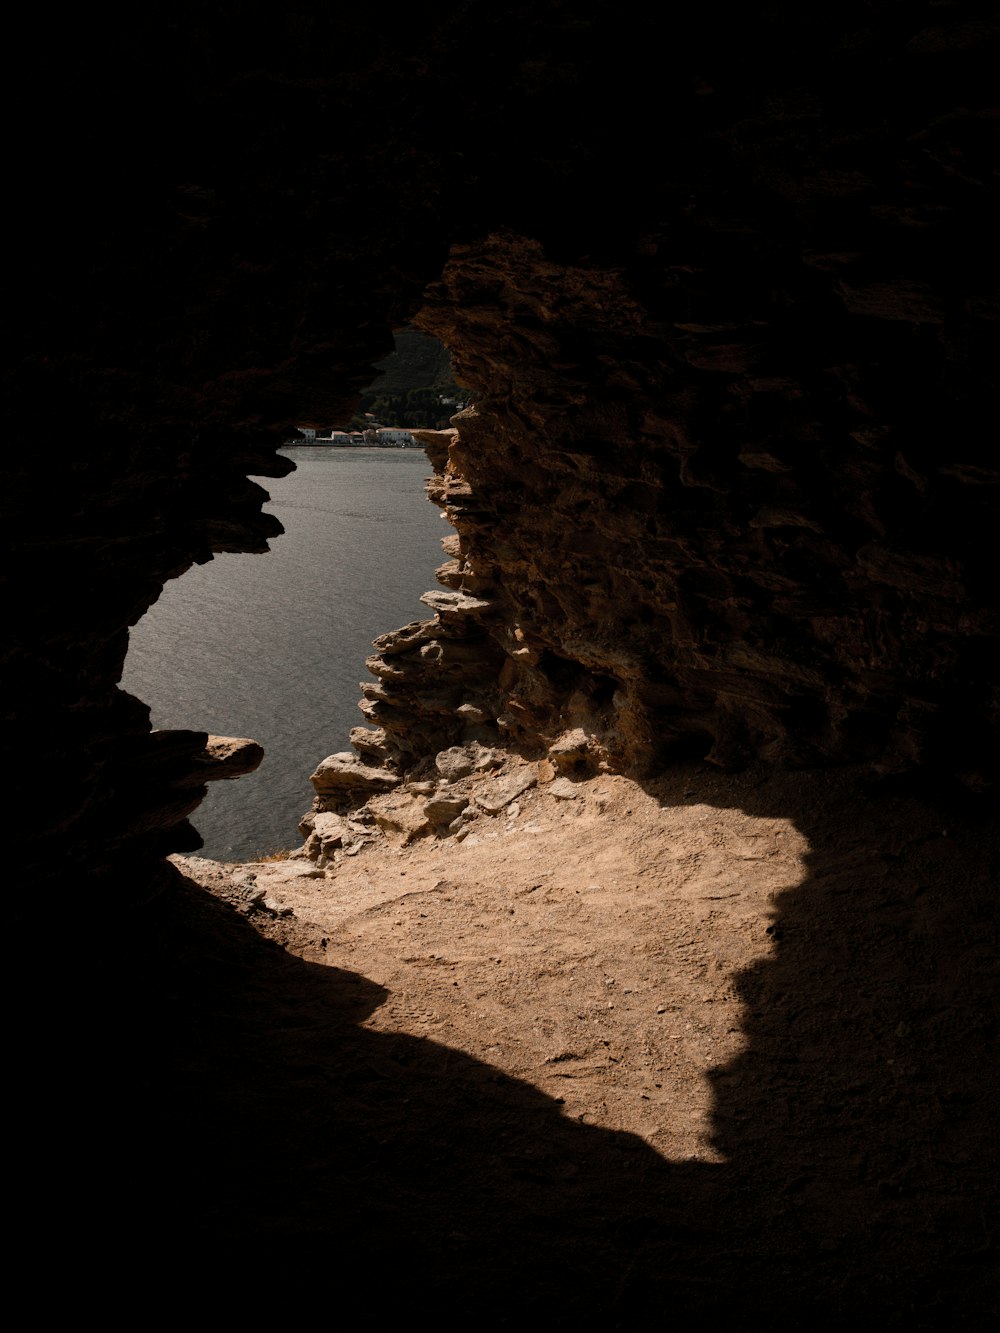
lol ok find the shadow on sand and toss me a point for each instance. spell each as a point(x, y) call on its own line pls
point(279, 1156)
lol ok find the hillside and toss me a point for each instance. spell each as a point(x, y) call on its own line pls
point(412, 381)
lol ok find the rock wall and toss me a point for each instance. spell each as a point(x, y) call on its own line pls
point(750, 518)
point(725, 289)
point(753, 515)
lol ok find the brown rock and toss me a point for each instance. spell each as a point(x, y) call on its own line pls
point(494, 795)
point(345, 772)
point(230, 757)
point(460, 760)
point(571, 751)
point(400, 816)
point(455, 607)
point(445, 807)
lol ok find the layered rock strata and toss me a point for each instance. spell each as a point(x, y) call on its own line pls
point(745, 554)
point(740, 553)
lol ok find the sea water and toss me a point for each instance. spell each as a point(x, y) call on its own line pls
point(273, 646)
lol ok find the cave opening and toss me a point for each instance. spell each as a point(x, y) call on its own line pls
point(273, 648)
point(734, 306)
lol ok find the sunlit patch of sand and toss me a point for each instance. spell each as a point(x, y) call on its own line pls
point(587, 947)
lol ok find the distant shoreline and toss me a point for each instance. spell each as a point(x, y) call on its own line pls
point(335, 444)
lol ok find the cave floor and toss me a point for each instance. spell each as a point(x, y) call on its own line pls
point(723, 1041)
point(587, 946)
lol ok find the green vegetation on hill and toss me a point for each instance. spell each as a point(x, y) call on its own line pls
point(413, 381)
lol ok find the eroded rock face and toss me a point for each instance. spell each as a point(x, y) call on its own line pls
point(755, 553)
point(727, 487)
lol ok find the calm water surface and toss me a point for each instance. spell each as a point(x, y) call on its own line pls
point(273, 646)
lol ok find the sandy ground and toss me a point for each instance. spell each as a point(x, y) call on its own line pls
point(585, 945)
point(767, 1004)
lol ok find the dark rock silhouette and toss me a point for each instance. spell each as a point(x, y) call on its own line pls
point(724, 287)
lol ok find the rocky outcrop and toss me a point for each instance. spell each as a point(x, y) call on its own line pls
point(797, 578)
point(346, 774)
point(632, 578)
point(726, 489)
